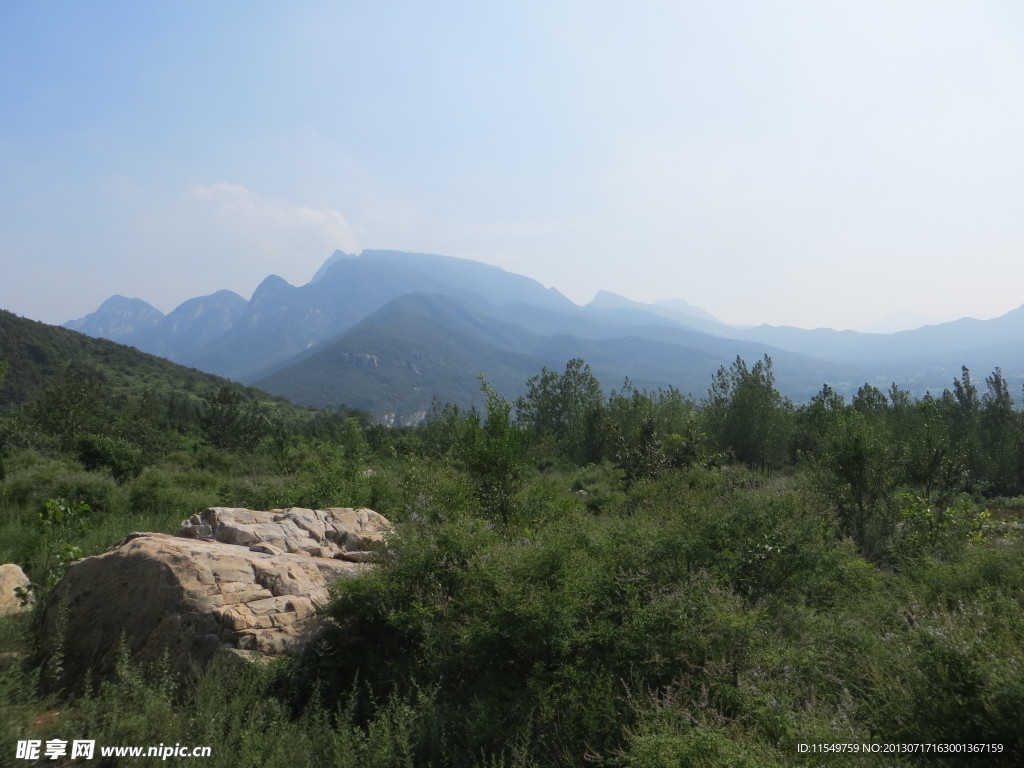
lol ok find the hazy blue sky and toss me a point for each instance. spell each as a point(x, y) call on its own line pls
point(809, 163)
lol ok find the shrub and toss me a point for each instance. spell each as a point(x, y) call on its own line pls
point(101, 494)
point(98, 452)
point(537, 637)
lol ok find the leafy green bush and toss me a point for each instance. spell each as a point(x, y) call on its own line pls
point(233, 709)
point(101, 494)
point(97, 452)
point(670, 741)
point(541, 636)
point(62, 525)
point(950, 668)
point(226, 422)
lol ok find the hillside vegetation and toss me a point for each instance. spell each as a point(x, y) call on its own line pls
point(578, 577)
point(38, 355)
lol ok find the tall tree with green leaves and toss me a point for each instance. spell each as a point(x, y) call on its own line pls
point(227, 423)
point(561, 409)
point(748, 416)
point(855, 465)
point(1001, 437)
point(870, 400)
point(72, 406)
point(815, 419)
point(929, 461)
point(961, 409)
point(635, 443)
point(494, 456)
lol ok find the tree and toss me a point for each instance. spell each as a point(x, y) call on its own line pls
point(856, 469)
point(1000, 429)
point(637, 447)
point(870, 400)
point(927, 458)
point(747, 415)
point(899, 399)
point(443, 432)
point(961, 410)
point(72, 406)
point(816, 419)
point(226, 424)
point(649, 432)
point(121, 458)
point(495, 456)
point(561, 409)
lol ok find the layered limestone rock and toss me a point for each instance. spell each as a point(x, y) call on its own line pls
point(235, 581)
point(339, 532)
point(12, 578)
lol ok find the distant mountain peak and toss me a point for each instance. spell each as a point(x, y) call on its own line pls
point(334, 258)
point(683, 307)
point(609, 300)
point(120, 303)
point(222, 298)
point(118, 318)
point(673, 309)
point(272, 286)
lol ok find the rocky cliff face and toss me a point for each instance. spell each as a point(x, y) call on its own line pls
point(234, 581)
point(198, 321)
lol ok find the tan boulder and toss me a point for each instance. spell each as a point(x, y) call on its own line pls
point(12, 578)
point(234, 581)
point(338, 532)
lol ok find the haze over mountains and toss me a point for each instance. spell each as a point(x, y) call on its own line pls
point(387, 330)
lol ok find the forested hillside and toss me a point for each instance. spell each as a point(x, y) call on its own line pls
point(38, 355)
point(578, 576)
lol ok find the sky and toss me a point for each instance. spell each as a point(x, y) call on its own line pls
point(808, 163)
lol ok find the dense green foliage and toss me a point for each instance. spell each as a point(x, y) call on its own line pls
point(36, 353)
point(581, 578)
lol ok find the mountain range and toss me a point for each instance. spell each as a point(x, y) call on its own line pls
point(387, 331)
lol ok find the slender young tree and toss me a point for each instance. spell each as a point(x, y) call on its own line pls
point(495, 456)
point(1001, 436)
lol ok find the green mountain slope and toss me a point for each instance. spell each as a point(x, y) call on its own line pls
point(394, 362)
point(38, 354)
point(420, 346)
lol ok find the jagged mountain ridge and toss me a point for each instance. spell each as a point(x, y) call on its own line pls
point(282, 320)
point(347, 307)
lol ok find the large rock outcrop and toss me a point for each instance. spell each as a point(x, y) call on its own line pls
point(339, 532)
point(234, 581)
point(12, 578)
